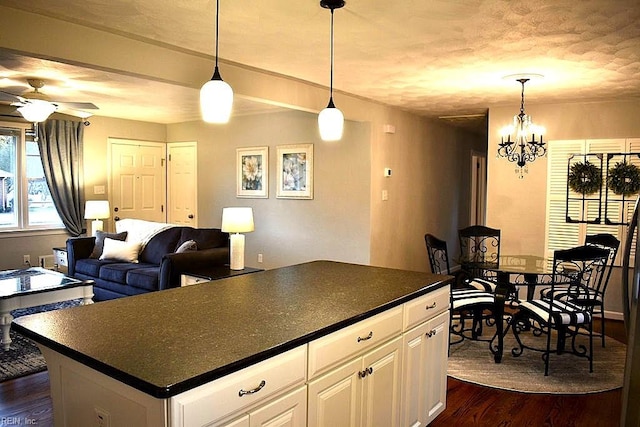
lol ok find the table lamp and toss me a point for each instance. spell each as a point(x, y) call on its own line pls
point(97, 210)
point(236, 221)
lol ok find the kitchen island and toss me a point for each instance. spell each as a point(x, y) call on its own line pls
point(311, 344)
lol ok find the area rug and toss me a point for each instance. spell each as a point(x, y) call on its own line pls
point(472, 361)
point(24, 357)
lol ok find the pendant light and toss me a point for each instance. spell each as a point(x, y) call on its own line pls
point(216, 96)
point(331, 119)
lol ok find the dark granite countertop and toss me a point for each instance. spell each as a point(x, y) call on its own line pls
point(167, 342)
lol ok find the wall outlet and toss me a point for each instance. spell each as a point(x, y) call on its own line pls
point(260, 258)
point(103, 419)
point(26, 259)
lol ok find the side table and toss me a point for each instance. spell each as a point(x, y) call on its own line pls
point(60, 259)
point(201, 275)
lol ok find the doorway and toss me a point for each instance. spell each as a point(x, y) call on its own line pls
point(478, 188)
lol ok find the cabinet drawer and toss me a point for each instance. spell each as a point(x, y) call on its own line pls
point(210, 402)
point(327, 351)
point(425, 307)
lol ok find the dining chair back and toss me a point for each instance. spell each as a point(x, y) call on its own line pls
point(479, 249)
point(575, 271)
point(438, 254)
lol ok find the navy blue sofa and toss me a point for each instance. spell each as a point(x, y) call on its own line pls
point(159, 266)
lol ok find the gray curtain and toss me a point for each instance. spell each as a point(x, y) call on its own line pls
point(60, 143)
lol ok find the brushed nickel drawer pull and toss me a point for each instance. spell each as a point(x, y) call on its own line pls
point(255, 390)
point(429, 307)
point(368, 337)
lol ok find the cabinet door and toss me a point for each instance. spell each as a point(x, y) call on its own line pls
point(381, 385)
point(335, 398)
point(425, 371)
point(414, 374)
point(287, 411)
point(437, 357)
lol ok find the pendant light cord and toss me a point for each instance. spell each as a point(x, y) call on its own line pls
point(331, 73)
point(217, 27)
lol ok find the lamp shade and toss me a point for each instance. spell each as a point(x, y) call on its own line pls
point(237, 220)
point(96, 209)
point(331, 124)
point(216, 101)
point(37, 110)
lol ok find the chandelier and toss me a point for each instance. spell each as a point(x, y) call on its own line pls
point(518, 141)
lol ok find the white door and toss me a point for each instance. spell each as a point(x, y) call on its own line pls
point(137, 179)
point(182, 182)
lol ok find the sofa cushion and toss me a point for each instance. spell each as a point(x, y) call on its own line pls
point(120, 251)
point(90, 267)
point(206, 238)
point(117, 272)
point(144, 278)
point(100, 236)
point(161, 244)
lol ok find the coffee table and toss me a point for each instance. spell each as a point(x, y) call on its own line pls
point(35, 286)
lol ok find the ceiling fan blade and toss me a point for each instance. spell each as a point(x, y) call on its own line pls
point(74, 112)
point(76, 105)
point(8, 97)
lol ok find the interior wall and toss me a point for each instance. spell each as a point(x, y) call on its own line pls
point(518, 206)
point(333, 225)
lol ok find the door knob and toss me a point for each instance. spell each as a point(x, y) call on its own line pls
point(117, 218)
point(190, 216)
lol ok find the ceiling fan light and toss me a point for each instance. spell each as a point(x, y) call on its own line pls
point(216, 101)
point(331, 124)
point(37, 110)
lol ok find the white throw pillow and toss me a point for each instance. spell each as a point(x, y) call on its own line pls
point(121, 251)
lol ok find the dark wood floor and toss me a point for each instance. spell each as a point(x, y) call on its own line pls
point(26, 401)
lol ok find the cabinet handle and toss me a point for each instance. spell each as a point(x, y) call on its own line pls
point(255, 390)
point(429, 307)
point(431, 333)
point(368, 337)
point(367, 371)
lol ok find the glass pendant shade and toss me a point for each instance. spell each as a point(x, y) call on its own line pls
point(216, 100)
point(331, 123)
point(37, 110)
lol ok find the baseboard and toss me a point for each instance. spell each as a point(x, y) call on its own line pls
point(613, 315)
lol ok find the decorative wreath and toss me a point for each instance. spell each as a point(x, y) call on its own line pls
point(585, 178)
point(624, 179)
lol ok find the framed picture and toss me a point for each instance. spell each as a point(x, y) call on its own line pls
point(252, 172)
point(295, 171)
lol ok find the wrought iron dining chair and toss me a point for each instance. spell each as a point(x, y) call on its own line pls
point(597, 289)
point(471, 299)
point(479, 250)
point(574, 269)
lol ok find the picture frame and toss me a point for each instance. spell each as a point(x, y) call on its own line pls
point(295, 171)
point(252, 172)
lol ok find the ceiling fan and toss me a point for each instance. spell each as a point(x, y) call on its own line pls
point(36, 107)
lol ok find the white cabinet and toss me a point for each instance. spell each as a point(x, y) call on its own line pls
point(425, 371)
point(362, 392)
point(289, 410)
point(242, 392)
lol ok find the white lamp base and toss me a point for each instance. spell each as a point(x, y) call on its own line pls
point(237, 251)
point(96, 225)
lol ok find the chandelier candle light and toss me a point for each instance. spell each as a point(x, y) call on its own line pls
point(331, 119)
point(518, 141)
point(216, 96)
point(235, 221)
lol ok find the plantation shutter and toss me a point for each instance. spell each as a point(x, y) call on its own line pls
point(560, 234)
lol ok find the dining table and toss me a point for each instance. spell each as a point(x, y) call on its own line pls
point(513, 274)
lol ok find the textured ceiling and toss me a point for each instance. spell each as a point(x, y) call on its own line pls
point(432, 57)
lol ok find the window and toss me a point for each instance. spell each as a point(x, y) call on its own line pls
point(561, 234)
point(25, 199)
